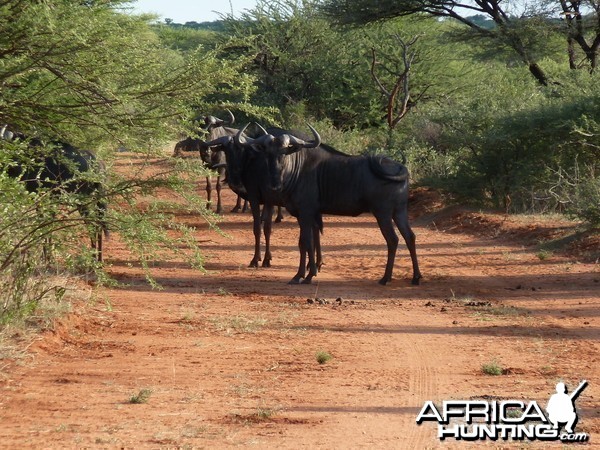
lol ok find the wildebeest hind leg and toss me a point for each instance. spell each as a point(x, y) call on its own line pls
point(238, 205)
point(391, 238)
point(401, 220)
point(302, 266)
point(317, 238)
point(305, 247)
point(308, 234)
point(279, 217)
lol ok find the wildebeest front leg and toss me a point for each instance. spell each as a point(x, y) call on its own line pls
point(401, 220)
point(208, 192)
point(255, 207)
point(219, 206)
point(391, 238)
point(307, 230)
point(267, 217)
point(95, 222)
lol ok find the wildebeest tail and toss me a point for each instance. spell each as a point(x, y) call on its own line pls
point(319, 222)
point(388, 169)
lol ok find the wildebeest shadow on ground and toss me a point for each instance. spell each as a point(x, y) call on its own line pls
point(496, 330)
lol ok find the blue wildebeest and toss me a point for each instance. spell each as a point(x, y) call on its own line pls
point(216, 128)
point(321, 180)
point(247, 175)
point(57, 167)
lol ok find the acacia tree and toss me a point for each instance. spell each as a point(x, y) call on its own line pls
point(516, 24)
point(298, 58)
point(88, 72)
point(84, 72)
point(582, 26)
point(398, 98)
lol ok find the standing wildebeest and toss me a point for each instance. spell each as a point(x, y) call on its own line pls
point(247, 174)
point(58, 167)
point(215, 160)
point(322, 180)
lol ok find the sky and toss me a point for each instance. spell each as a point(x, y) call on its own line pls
point(182, 11)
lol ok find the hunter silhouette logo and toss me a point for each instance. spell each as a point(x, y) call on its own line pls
point(561, 406)
point(508, 419)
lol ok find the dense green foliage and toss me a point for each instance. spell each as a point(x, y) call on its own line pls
point(469, 117)
point(88, 74)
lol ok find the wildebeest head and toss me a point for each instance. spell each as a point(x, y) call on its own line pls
point(211, 122)
point(234, 156)
point(276, 148)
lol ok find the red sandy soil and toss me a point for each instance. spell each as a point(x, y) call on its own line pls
point(230, 355)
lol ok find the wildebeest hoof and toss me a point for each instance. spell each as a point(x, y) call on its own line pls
point(294, 281)
point(384, 281)
point(235, 209)
point(416, 281)
point(307, 281)
point(266, 263)
point(253, 263)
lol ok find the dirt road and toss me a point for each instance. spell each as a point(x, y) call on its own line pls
point(228, 357)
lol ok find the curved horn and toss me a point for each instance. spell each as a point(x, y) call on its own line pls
point(6, 134)
point(231, 118)
point(224, 140)
point(317, 140)
point(241, 139)
point(297, 142)
point(263, 131)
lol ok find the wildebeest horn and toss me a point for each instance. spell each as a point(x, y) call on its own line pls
point(231, 118)
point(6, 134)
point(317, 140)
point(240, 139)
point(224, 140)
point(261, 128)
point(297, 142)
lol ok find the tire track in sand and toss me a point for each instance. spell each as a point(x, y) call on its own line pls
point(422, 386)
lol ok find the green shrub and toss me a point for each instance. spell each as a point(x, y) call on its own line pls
point(323, 357)
point(586, 201)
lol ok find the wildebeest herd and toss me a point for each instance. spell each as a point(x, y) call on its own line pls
point(272, 168)
point(57, 167)
point(310, 178)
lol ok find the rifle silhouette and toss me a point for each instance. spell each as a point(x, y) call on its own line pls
point(578, 391)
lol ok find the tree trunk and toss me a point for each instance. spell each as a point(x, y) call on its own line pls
point(538, 73)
